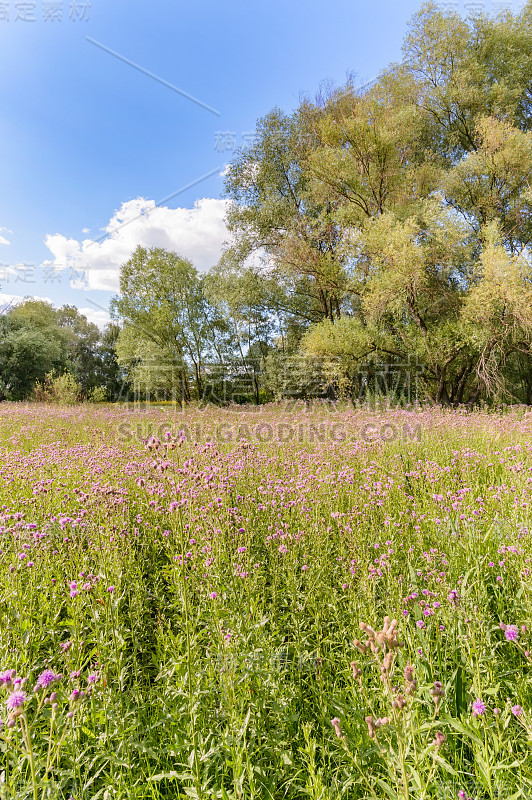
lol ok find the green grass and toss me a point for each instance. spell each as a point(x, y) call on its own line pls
point(220, 586)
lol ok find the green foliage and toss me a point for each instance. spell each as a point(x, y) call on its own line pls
point(373, 210)
point(97, 395)
point(36, 339)
point(61, 389)
point(167, 323)
point(26, 355)
point(214, 590)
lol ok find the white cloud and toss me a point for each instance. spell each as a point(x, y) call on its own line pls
point(100, 318)
point(15, 299)
point(8, 273)
point(196, 233)
point(3, 240)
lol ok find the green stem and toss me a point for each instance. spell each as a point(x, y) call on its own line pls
point(27, 741)
point(189, 669)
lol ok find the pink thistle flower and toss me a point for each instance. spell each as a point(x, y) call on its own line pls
point(478, 708)
point(6, 678)
point(511, 633)
point(15, 700)
point(47, 677)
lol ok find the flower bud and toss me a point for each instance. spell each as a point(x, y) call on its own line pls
point(439, 739)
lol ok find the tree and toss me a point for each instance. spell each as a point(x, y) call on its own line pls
point(242, 298)
point(39, 339)
point(26, 356)
point(467, 69)
point(32, 344)
point(493, 183)
point(168, 325)
point(407, 207)
point(82, 339)
point(274, 213)
point(109, 375)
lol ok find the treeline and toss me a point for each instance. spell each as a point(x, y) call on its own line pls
point(48, 353)
point(379, 241)
point(371, 230)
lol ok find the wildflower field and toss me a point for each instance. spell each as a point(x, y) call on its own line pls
point(307, 602)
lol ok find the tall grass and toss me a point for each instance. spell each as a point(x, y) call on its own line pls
point(306, 603)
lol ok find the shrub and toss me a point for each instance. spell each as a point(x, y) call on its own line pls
point(62, 389)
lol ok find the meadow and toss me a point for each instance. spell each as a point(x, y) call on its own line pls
point(284, 602)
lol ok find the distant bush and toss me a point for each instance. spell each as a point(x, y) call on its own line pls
point(97, 394)
point(61, 389)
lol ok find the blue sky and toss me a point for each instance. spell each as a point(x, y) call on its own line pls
point(89, 141)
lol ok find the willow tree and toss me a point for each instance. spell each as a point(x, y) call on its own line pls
point(273, 212)
point(168, 327)
point(390, 204)
point(423, 269)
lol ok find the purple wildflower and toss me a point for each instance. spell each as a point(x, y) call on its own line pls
point(15, 700)
point(511, 633)
point(47, 677)
point(7, 677)
point(478, 708)
point(517, 711)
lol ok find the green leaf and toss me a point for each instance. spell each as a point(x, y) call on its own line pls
point(388, 789)
point(165, 776)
